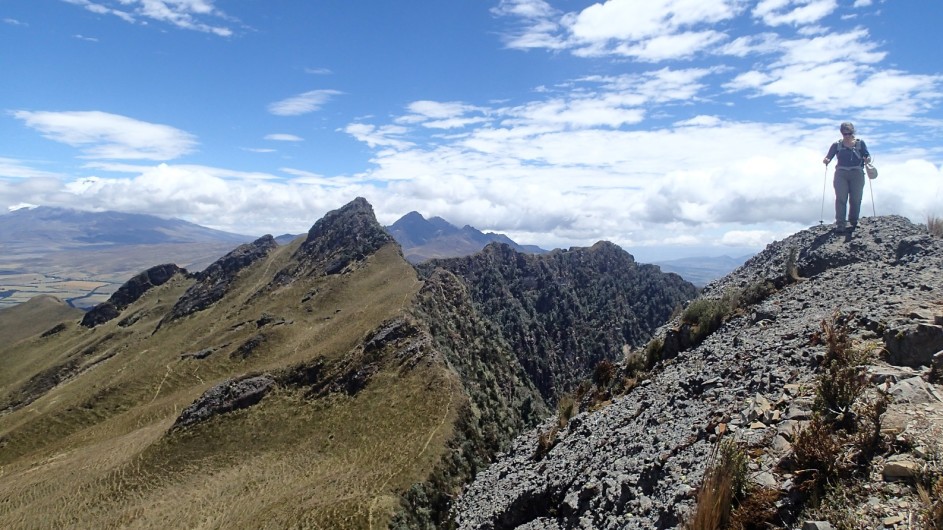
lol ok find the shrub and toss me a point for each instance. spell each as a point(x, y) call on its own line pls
point(868, 440)
point(756, 293)
point(723, 485)
point(604, 373)
point(842, 380)
point(757, 511)
point(566, 409)
point(816, 453)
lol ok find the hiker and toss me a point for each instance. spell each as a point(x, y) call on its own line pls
point(852, 155)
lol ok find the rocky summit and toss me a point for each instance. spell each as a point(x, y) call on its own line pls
point(818, 362)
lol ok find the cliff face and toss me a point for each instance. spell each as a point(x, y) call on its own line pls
point(763, 378)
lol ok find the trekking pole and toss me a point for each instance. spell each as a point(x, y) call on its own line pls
point(824, 185)
point(873, 209)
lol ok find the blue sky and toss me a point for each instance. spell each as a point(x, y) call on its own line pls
point(670, 127)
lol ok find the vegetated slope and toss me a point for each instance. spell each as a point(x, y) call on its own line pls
point(351, 417)
point(567, 310)
point(319, 384)
point(36, 316)
point(798, 347)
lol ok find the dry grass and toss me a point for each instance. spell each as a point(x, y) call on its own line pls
point(723, 484)
point(336, 462)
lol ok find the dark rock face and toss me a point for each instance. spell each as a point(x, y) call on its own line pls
point(129, 293)
point(637, 462)
point(564, 311)
point(227, 396)
point(215, 281)
point(338, 240)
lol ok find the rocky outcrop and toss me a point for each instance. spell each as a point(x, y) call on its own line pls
point(638, 462)
point(227, 396)
point(215, 281)
point(341, 239)
point(129, 293)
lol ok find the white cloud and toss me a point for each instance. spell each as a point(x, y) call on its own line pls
point(647, 30)
point(318, 71)
point(302, 103)
point(14, 22)
point(18, 169)
point(282, 137)
point(110, 136)
point(793, 12)
point(184, 14)
point(373, 136)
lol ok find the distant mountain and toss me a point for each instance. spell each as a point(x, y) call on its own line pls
point(702, 270)
point(63, 228)
point(424, 239)
point(82, 257)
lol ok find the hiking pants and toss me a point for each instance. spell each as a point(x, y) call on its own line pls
point(849, 188)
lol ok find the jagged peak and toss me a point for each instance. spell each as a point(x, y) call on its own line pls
point(341, 238)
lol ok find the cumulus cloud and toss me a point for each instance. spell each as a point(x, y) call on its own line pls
point(302, 103)
point(110, 136)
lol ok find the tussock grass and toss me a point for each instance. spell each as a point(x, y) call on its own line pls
point(724, 484)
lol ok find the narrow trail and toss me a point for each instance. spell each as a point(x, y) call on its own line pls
point(425, 446)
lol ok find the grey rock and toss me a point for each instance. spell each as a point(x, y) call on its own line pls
point(225, 397)
point(913, 390)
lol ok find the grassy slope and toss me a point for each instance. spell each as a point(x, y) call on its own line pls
point(33, 317)
point(95, 450)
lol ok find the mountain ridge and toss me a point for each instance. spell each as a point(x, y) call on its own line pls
point(383, 387)
point(756, 374)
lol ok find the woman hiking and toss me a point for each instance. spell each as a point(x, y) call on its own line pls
point(852, 155)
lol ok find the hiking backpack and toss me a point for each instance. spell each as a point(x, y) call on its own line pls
point(856, 149)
